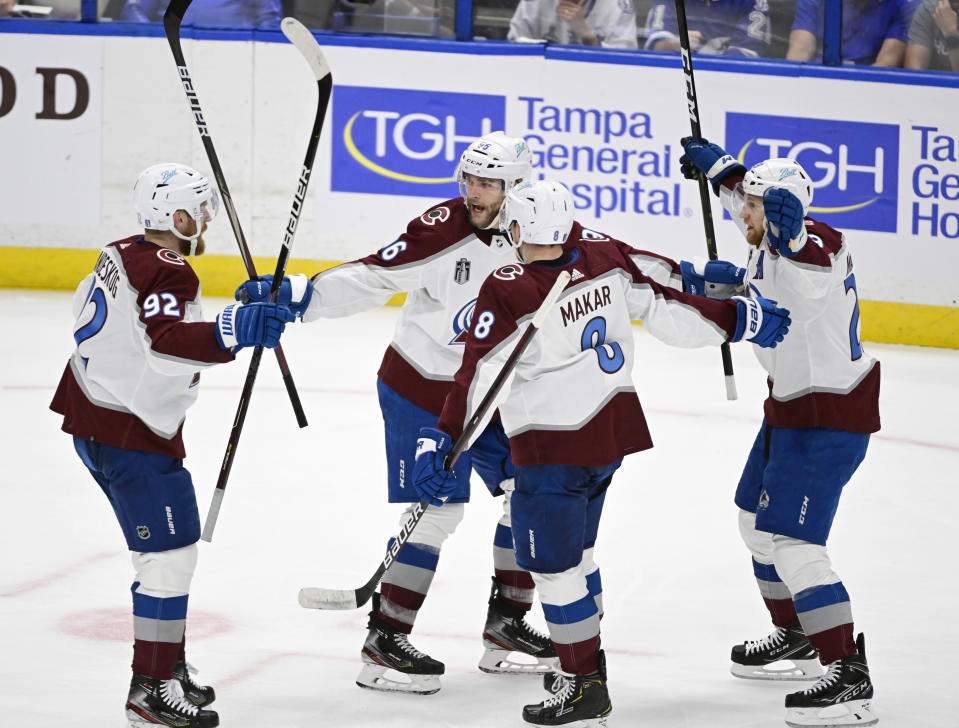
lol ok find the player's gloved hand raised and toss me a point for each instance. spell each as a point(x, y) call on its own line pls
point(703, 157)
point(252, 324)
point(430, 479)
point(784, 215)
point(717, 279)
point(295, 291)
point(760, 321)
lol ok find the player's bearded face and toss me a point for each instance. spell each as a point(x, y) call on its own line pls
point(483, 199)
point(188, 226)
point(754, 216)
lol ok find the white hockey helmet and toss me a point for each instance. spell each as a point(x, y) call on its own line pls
point(542, 209)
point(163, 189)
point(779, 172)
point(496, 156)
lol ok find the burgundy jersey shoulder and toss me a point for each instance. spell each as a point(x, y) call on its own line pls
point(439, 227)
point(150, 267)
point(831, 238)
point(822, 245)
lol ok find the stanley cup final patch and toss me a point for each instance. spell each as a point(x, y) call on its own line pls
point(462, 273)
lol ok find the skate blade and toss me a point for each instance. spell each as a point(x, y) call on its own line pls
point(376, 677)
point(497, 661)
point(854, 712)
point(781, 670)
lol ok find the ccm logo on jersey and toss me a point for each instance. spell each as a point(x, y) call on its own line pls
point(406, 141)
point(853, 165)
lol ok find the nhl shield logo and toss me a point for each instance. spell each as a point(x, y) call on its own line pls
point(462, 273)
point(143, 532)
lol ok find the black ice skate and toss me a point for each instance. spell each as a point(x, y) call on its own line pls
point(506, 632)
point(154, 703)
point(199, 695)
point(785, 654)
point(388, 649)
point(583, 700)
point(554, 682)
point(842, 697)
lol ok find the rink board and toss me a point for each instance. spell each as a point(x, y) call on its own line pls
point(83, 114)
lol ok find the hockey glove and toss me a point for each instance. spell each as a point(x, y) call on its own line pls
point(430, 479)
point(760, 321)
point(251, 324)
point(784, 216)
point(295, 291)
point(704, 157)
point(714, 279)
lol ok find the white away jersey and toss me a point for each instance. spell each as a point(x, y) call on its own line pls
point(571, 399)
point(820, 375)
point(440, 262)
point(141, 342)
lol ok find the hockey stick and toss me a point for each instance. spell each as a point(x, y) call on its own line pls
point(172, 19)
point(306, 44)
point(693, 104)
point(319, 598)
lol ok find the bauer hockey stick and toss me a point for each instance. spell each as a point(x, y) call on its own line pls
point(693, 105)
point(319, 598)
point(172, 19)
point(306, 44)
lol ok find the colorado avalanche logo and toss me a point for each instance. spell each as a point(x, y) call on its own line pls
point(461, 323)
point(438, 214)
point(170, 256)
point(508, 272)
point(588, 234)
point(763, 501)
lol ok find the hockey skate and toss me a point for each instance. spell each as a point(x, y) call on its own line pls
point(842, 697)
point(507, 632)
point(385, 649)
point(554, 682)
point(154, 703)
point(199, 695)
point(785, 654)
point(582, 701)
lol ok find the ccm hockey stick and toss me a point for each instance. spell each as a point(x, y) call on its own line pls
point(319, 598)
point(693, 104)
point(172, 19)
point(306, 44)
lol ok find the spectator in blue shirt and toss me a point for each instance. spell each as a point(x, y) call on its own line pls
point(209, 12)
point(727, 27)
point(873, 31)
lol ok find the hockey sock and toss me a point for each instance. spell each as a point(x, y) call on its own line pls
point(574, 630)
point(516, 586)
point(158, 628)
point(594, 582)
point(406, 583)
point(775, 594)
point(826, 617)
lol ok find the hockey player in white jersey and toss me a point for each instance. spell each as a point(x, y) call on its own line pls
point(439, 262)
point(823, 404)
point(567, 447)
point(141, 342)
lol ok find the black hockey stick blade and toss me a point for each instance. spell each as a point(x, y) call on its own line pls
point(319, 598)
